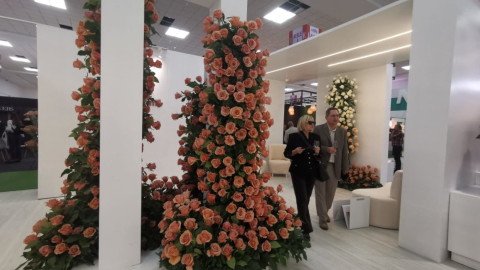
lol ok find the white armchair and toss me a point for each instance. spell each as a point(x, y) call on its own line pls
point(277, 162)
point(384, 203)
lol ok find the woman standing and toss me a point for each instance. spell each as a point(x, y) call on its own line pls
point(14, 125)
point(303, 149)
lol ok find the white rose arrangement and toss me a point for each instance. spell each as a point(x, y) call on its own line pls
point(341, 96)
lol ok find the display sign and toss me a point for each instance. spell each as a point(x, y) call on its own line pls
point(303, 33)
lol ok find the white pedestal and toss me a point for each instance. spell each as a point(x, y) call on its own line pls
point(464, 226)
point(355, 212)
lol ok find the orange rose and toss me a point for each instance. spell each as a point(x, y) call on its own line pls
point(211, 177)
point(89, 232)
point(207, 214)
point(241, 134)
point(188, 261)
point(249, 203)
point(56, 239)
point(247, 61)
point(217, 14)
point(253, 242)
point(56, 220)
point(266, 246)
point(297, 222)
point(252, 26)
point(241, 213)
point(237, 197)
point(231, 208)
point(204, 237)
point(45, 250)
point(172, 253)
point(237, 40)
point(225, 111)
point(94, 203)
point(190, 224)
point(239, 244)
point(60, 248)
point(283, 233)
point(249, 216)
point(66, 229)
point(74, 251)
point(175, 226)
point(271, 220)
point(230, 127)
point(229, 140)
point(263, 232)
point(216, 163)
point(227, 161)
point(222, 237)
point(78, 64)
point(227, 251)
point(146, 29)
point(238, 182)
point(236, 112)
point(257, 117)
point(214, 250)
point(209, 53)
point(222, 95)
point(272, 236)
point(30, 238)
point(186, 238)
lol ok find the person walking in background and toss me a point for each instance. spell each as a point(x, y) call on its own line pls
point(290, 129)
point(14, 125)
point(334, 147)
point(396, 137)
point(303, 149)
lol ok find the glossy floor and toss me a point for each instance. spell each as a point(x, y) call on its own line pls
point(335, 249)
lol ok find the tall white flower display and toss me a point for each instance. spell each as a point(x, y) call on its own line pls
point(341, 96)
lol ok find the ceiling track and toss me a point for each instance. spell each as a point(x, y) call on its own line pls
point(18, 20)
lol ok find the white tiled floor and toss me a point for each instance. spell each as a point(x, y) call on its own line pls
point(335, 249)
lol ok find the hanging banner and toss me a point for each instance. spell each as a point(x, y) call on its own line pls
point(302, 33)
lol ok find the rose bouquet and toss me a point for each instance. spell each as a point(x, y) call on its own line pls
point(32, 130)
point(68, 235)
point(242, 224)
point(341, 96)
point(361, 177)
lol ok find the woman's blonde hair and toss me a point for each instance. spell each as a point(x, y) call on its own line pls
point(302, 122)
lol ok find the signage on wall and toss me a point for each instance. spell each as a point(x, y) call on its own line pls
point(303, 33)
point(6, 109)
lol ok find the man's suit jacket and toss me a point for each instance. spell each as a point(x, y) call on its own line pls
point(341, 157)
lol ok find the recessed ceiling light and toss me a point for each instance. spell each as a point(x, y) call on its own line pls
point(370, 55)
point(5, 43)
point(53, 3)
point(279, 15)
point(406, 67)
point(288, 89)
point(32, 69)
point(174, 32)
point(20, 58)
point(314, 84)
point(344, 51)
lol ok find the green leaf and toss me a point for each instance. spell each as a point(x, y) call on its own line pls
point(31, 244)
point(199, 153)
point(52, 261)
point(275, 244)
point(242, 263)
point(234, 219)
point(73, 238)
point(272, 264)
point(198, 251)
point(283, 260)
point(246, 258)
point(208, 90)
point(231, 263)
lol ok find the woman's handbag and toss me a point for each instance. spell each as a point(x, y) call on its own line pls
point(322, 172)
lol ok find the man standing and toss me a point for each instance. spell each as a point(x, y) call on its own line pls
point(396, 137)
point(291, 129)
point(334, 149)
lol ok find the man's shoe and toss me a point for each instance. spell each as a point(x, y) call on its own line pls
point(324, 225)
point(328, 219)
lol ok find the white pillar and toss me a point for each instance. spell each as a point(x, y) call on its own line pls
point(442, 120)
point(121, 133)
point(229, 7)
point(277, 111)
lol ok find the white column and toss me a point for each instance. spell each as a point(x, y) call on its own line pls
point(121, 133)
point(442, 120)
point(57, 79)
point(229, 7)
point(276, 109)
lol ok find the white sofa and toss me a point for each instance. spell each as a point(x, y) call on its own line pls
point(277, 162)
point(384, 203)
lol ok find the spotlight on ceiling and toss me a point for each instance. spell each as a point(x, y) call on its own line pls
point(32, 69)
point(314, 84)
point(174, 32)
point(406, 67)
point(5, 43)
point(53, 3)
point(279, 15)
point(20, 58)
point(288, 89)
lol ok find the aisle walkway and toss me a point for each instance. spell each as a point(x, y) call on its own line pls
point(335, 249)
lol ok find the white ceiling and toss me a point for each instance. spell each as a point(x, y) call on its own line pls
point(380, 24)
point(324, 14)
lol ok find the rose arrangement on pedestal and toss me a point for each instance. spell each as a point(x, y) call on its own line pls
point(242, 224)
point(68, 235)
point(341, 96)
point(32, 130)
point(361, 177)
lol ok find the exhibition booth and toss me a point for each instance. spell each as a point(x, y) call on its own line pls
point(430, 203)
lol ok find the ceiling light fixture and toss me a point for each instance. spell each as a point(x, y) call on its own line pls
point(53, 3)
point(288, 89)
point(19, 58)
point(406, 67)
point(32, 69)
point(279, 15)
point(174, 32)
point(347, 50)
point(370, 55)
point(314, 84)
point(5, 43)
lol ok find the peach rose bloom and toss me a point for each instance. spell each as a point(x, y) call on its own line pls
point(225, 111)
point(30, 238)
point(230, 127)
point(233, 235)
point(247, 61)
point(224, 32)
point(297, 222)
point(56, 239)
point(216, 163)
point(186, 238)
point(89, 232)
point(188, 261)
point(214, 250)
point(241, 134)
point(236, 22)
point(240, 86)
point(217, 14)
point(250, 98)
point(217, 63)
point(252, 25)
point(211, 177)
point(249, 203)
point(249, 216)
point(74, 251)
point(283, 233)
point(146, 29)
point(241, 213)
point(190, 223)
point(291, 210)
point(78, 64)
point(60, 248)
point(45, 250)
point(239, 244)
point(221, 130)
point(257, 116)
point(175, 226)
point(168, 214)
point(231, 208)
point(229, 140)
point(173, 254)
point(222, 237)
point(239, 97)
point(227, 251)
point(207, 214)
point(94, 203)
point(266, 246)
point(253, 242)
point(66, 229)
point(237, 40)
point(241, 32)
point(222, 193)
point(272, 236)
point(227, 161)
point(238, 182)
point(56, 220)
point(249, 124)
point(204, 237)
point(251, 44)
point(263, 232)
point(209, 53)
point(230, 170)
